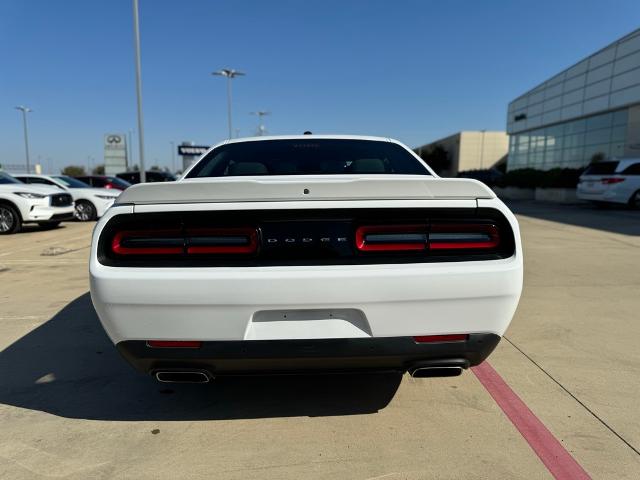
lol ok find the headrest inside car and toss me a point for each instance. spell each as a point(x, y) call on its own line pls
point(368, 165)
point(247, 168)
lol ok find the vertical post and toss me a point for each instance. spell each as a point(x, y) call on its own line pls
point(26, 138)
point(173, 156)
point(229, 105)
point(129, 150)
point(136, 41)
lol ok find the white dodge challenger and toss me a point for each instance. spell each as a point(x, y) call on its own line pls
point(306, 254)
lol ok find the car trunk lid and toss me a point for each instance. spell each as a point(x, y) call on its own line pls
point(306, 188)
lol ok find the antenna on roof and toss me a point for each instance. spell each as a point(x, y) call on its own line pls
point(307, 133)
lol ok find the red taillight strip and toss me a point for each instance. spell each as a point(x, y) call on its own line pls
point(118, 248)
point(174, 343)
point(611, 181)
point(441, 338)
point(247, 236)
point(440, 242)
point(392, 231)
point(218, 235)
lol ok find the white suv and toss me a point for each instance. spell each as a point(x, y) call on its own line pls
point(20, 203)
point(91, 203)
point(616, 181)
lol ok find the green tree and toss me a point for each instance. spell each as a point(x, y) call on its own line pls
point(73, 171)
point(98, 170)
point(437, 157)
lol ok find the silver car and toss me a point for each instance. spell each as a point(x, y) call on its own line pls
point(611, 181)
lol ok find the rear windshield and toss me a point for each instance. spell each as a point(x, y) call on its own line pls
point(308, 157)
point(601, 168)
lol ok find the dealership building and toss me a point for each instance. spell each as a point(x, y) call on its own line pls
point(588, 112)
point(470, 150)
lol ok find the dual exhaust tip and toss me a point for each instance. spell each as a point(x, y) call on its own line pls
point(427, 370)
point(441, 368)
point(183, 376)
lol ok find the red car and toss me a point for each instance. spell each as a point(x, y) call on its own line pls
point(105, 181)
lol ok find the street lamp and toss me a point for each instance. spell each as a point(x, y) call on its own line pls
point(24, 111)
point(230, 74)
point(136, 45)
point(260, 114)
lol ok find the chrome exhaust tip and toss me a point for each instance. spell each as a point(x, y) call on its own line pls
point(182, 376)
point(429, 372)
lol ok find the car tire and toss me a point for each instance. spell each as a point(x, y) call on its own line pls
point(48, 225)
point(10, 221)
point(84, 211)
point(634, 201)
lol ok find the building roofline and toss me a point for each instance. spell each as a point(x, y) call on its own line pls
point(631, 34)
point(458, 133)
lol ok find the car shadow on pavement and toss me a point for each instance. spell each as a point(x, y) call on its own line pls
point(69, 367)
point(611, 218)
point(34, 228)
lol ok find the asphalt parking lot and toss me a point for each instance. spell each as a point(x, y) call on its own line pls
point(71, 408)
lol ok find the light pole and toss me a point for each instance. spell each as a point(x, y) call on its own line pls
point(173, 156)
point(129, 150)
point(24, 111)
point(230, 74)
point(260, 114)
point(136, 42)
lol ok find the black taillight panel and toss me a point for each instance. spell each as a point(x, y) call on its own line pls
point(305, 237)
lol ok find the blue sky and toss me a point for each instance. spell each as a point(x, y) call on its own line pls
point(412, 70)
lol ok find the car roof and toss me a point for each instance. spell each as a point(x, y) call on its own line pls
point(36, 175)
point(309, 137)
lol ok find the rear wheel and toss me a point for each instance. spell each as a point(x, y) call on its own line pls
point(634, 201)
point(48, 225)
point(9, 220)
point(84, 211)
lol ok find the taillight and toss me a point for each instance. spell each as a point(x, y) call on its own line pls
point(441, 338)
point(108, 185)
point(222, 240)
point(423, 237)
point(148, 242)
point(377, 238)
point(612, 180)
point(240, 240)
point(463, 236)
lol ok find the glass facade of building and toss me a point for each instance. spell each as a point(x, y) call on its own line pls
point(590, 111)
point(571, 144)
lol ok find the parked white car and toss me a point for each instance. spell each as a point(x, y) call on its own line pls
point(20, 203)
point(306, 253)
point(90, 203)
point(611, 181)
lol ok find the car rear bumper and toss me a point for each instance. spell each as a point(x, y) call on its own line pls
point(610, 194)
point(288, 303)
point(304, 356)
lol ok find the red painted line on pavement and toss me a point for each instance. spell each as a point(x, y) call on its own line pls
point(555, 457)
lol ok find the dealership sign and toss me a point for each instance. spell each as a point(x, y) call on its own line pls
point(192, 150)
point(115, 153)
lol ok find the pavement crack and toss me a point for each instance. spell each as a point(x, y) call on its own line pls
point(580, 402)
